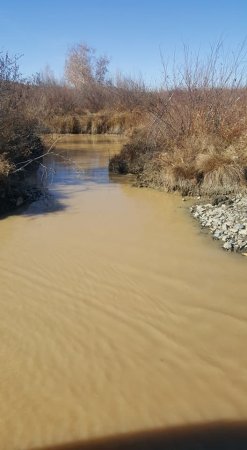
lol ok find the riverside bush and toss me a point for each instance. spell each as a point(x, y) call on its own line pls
point(194, 139)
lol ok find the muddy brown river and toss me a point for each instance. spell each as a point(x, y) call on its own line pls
point(118, 315)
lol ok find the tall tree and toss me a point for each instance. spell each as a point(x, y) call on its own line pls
point(84, 67)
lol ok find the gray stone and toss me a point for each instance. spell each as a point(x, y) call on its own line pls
point(241, 244)
point(227, 246)
point(225, 238)
point(217, 234)
point(243, 232)
point(237, 228)
point(226, 220)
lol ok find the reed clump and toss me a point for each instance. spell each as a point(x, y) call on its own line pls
point(102, 122)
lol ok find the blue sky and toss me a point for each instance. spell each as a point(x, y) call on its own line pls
point(131, 32)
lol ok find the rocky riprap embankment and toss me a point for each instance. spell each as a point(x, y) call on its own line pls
point(226, 219)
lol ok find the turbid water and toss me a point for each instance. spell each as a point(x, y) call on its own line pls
point(117, 314)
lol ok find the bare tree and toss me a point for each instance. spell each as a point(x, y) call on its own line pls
point(9, 68)
point(83, 67)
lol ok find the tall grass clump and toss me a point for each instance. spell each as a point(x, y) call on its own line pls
point(195, 136)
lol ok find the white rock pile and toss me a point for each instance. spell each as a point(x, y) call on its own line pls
point(226, 219)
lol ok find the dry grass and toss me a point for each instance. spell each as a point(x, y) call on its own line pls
point(195, 136)
point(103, 122)
point(5, 167)
point(199, 166)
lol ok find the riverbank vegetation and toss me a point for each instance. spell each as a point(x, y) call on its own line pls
point(87, 100)
point(195, 137)
point(18, 126)
point(20, 143)
point(188, 135)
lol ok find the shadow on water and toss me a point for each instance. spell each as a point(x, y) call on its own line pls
point(62, 176)
point(78, 168)
point(222, 435)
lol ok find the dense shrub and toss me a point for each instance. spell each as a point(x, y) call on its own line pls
point(195, 136)
point(19, 138)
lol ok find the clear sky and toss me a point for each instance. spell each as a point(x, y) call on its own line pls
point(130, 32)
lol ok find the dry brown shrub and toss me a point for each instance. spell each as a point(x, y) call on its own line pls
point(195, 136)
point(5, 166)
point(221, 173)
